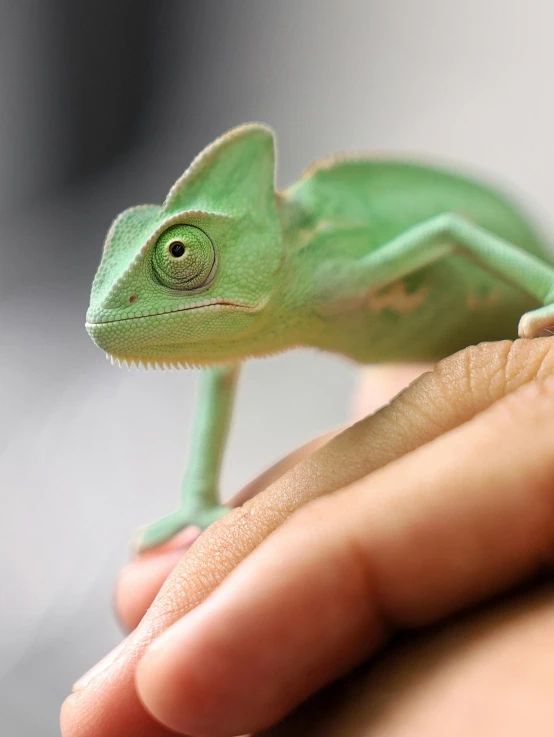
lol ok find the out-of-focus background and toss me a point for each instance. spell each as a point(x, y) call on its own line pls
point(102, 106)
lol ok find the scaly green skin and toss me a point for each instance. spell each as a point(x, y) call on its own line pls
point(378, 260)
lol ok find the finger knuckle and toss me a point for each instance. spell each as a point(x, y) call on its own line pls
point(476, 372)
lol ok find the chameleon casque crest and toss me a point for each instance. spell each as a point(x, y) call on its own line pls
point(375, 259)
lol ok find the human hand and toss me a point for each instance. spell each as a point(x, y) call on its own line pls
point(455, 517)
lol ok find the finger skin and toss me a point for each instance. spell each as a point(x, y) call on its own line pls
point(457, 520)
point(459, 388)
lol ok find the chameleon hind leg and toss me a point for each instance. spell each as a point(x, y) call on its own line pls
point(200, 504)
point(444, 234)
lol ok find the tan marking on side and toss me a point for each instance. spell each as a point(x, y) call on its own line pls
point(396, 297)
point(474, 301)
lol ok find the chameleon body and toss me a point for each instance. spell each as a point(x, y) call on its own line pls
point(375, 259)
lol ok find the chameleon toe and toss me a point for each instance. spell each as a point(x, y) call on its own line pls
point(537, 322)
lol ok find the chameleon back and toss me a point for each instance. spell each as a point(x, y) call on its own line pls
point(440, 308)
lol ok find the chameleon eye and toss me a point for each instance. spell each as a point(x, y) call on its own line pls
point(184, 258)
point(176, 249)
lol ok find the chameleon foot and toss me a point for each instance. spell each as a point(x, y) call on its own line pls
point(166, 527)
point(537, 322)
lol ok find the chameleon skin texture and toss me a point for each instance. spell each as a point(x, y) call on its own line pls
point(375, 259)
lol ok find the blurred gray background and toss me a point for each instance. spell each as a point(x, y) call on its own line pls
point(102, 106)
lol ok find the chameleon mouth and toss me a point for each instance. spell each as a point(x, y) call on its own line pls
point(205, 303)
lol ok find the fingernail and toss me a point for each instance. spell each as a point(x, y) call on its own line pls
point(99, 668)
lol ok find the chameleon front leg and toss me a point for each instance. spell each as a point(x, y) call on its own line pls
point(444, 234)
point(200, 504)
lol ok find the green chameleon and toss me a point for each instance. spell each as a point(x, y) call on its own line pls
point(375, 259)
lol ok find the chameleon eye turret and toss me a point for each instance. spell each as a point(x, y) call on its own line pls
point(184, 258)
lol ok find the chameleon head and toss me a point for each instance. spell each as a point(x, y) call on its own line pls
point(190, 282)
